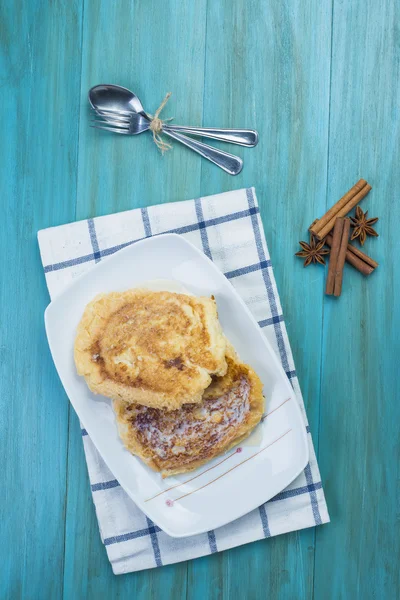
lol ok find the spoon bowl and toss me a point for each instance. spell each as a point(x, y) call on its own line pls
point(114, 97)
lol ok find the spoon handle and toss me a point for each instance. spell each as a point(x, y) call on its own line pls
point(228, 162)
point(243, 137)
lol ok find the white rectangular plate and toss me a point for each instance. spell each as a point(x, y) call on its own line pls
point(230, 485)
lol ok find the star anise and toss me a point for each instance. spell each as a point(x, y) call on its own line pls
point(313, 252)
point(362, 226)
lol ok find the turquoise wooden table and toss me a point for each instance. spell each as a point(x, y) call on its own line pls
point(320, 82)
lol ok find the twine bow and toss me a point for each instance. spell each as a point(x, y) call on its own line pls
point(156, 127)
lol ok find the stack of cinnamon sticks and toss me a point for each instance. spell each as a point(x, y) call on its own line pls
point(325, 225)
point(341, 249)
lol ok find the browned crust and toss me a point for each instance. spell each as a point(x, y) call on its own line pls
point(171, 361)
point(217, 388)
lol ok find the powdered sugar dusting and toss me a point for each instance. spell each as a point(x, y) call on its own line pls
point(178, 433)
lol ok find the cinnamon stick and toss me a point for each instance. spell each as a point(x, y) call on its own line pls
point(341, 258)
point(370, 261)
point(335, 248)
point(340, 209)
point(357, 259)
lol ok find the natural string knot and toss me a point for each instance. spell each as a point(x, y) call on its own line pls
point(156, 127)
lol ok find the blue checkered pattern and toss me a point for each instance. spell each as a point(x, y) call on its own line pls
point(228, 228)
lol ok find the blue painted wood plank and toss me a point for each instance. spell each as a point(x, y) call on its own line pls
point(39, 77)
point(153, 49)
point(257, 64)
point(266, 69)
point(358, 556)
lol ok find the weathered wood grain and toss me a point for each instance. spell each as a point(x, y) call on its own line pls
point(269, 71)
point(39, 74)
point(320, 81)
point(358, 555)
point(151, 48)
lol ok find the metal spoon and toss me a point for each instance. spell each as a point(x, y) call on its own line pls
point(115, 97)
point(109, 98)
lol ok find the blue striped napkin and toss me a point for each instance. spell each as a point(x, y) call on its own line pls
point(228, 228)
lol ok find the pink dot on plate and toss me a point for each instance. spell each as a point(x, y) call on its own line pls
point(169, 502)
point(238, 450)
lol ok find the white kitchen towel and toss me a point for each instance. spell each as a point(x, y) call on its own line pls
point(228, 228)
